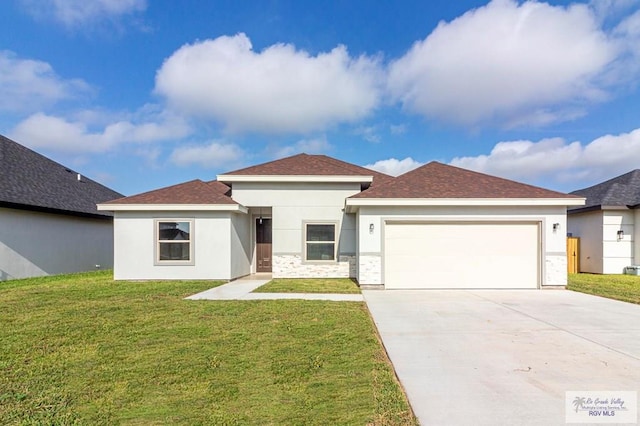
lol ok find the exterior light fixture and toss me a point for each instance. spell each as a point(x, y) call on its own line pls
point(620, 234)
point(556, 226)
point(260, 220)
point(371, 228)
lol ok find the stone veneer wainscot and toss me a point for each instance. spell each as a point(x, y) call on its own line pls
point(292, 266)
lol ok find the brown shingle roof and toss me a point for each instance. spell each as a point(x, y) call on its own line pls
point(437, 180)
point(192, 192)
point(310, 165)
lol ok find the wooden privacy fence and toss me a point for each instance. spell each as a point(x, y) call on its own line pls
point(573, 255)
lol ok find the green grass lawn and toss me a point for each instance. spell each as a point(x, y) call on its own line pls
point(620, 287)
point(83, 349)
point(309, 285)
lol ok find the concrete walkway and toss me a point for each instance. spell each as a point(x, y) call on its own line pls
point(235, 290)
point(242, 290)
point(505, 357)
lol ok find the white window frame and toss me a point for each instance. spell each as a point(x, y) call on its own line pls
point(334, 242)
point(157, 242)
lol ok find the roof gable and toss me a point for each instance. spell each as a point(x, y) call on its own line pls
point(32, 181)
point(192, 192)
point(622, 191)
point(437, 180)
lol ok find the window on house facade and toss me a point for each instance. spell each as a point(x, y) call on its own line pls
point(320, 242)
point(174, 241)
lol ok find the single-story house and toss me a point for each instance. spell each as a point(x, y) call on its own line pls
point(606, 225)
point(437, 226)
point(48, 217)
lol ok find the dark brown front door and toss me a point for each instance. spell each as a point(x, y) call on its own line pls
point(263, 245)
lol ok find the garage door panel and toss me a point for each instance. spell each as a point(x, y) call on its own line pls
point(461, 255)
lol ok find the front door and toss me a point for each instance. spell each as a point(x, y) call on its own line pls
point(263, 245)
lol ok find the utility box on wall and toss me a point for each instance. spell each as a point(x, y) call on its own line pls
point(632, 270)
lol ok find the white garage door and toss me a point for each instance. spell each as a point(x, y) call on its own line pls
point(461, 255)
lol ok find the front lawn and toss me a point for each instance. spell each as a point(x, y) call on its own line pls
point(620, 287)
point(83, 349)
point(309, 285)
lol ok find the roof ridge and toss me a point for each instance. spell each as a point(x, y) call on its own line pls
point(32, 180)
point(502, 178)
point(264, 164)
point(304, 164)
point(343, 164)
point(194, 191)
point(620, 190)
point(635, 173)
point(43, 158)
point(438, 180)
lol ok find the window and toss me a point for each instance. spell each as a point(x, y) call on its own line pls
point(175, 241)
point(320, 241)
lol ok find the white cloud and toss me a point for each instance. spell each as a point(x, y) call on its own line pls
point(627, 35)
point(559, 160)
point(611, 9)
point(524, 159)
point(27, 84)
point(368, 133)
point(398, 129)
point(215, 154)
point(318, 145)
point(56, 133)
point(150, 155)
point(395, 167)
point(83, 13)
point(277, 90)
point(506, 62)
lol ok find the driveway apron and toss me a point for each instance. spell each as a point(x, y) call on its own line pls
point(503, 357)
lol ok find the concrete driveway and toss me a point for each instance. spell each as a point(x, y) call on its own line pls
point(505, 357)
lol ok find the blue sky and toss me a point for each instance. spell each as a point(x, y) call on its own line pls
point(143, 94)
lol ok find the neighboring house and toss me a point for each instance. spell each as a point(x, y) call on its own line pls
point(314, 216)
point(606, 225)
point(49, 223)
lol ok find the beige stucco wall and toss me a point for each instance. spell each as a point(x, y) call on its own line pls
point(215, 237)
point(35, 244)
point(370, 244)
point(290, 205)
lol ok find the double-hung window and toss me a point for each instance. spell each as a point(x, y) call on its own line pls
point(320, 242)
point(174, 242)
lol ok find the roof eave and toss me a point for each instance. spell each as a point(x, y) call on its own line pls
point(295, 178)
point(51, 210)
point(233, 208)
point(353, 203)
point(599, 207)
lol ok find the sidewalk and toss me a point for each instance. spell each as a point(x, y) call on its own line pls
point(242, 290)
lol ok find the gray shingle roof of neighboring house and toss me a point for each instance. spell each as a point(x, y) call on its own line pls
point(31, 181)
point(622, 191)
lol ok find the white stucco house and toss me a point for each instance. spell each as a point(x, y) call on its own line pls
point(606, 225)
point(314, 216)
point(49, 223)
